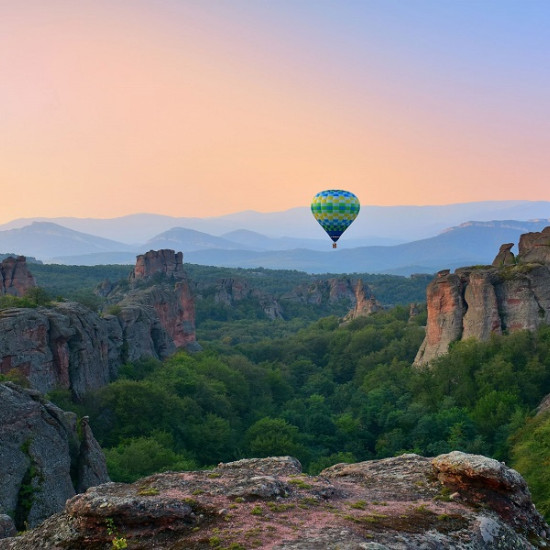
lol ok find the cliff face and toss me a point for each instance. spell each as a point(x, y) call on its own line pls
point(43, 462)
point(67, 346)
point(513, 294)
point(170, 297)
point(15, 278)
point(453, 501)
point(171, 312)
point(70, 346)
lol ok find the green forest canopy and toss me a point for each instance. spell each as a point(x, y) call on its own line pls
point(328, 393)
point(321, 391)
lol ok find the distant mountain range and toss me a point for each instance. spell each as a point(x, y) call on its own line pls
point(289, 240)
point(375, 225)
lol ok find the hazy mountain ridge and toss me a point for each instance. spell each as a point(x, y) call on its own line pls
point(46, 239)
point(467, 243)
point(374, 223)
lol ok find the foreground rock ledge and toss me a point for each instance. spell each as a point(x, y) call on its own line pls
point(409, 502)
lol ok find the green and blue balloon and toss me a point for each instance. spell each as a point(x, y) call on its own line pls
point(335, 210)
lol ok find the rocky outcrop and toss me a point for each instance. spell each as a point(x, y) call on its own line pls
point(69, 346)
point(414, 311)
point(168, 310)
point(15, 278)
point(159, 284)
point(352, 292)
point(325, 290)
point(365, 302)
point(228, 292)
point(505, 256)
point(91, 466)
point(479, 301)
point(43, 461)
point(453, 501)
point(445, 312)
point(158, 262)
point(535, 247)
point(326, 294)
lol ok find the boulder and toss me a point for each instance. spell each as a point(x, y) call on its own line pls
point(482, 481)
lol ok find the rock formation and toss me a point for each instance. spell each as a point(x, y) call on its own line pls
point(476, 302)
point(453, 501)
point(327, 294)
point(15, 278)
point(365, 302)
point(414, 311)
point(169, 296)
point(228, 291)
point(325, 290)
point(70, 346)
point(505, 256)
point(352, 292)
point(43, 462)
point(165, 262)
point(535, 247)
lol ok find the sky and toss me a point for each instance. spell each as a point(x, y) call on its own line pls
point(208, 107)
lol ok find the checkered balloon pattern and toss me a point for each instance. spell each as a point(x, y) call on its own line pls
point(335, 210)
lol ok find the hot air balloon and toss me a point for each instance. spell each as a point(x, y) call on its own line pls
point(335, 210)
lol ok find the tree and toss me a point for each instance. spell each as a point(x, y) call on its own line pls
point(141, 456)
point(273, 437)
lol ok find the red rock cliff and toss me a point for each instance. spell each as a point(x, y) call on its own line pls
point(477, 302)
point(69, 346)
point(170, 297)
point(165, 261)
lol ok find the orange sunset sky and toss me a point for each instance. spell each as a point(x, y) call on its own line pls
point(207, 107)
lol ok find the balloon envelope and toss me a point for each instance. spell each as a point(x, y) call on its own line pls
point(335, 210)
